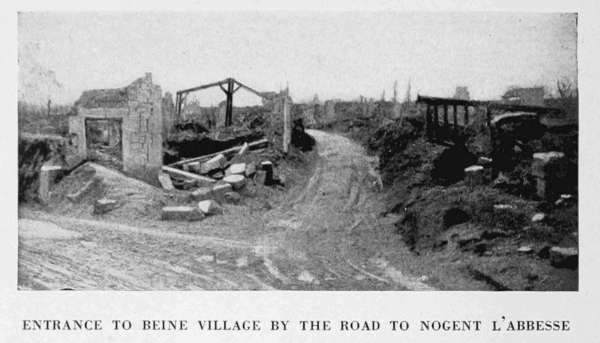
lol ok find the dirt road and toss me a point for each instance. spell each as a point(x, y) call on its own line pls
point(326, 234)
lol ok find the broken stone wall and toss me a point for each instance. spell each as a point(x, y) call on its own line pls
point(140, 108)
point(168, 114)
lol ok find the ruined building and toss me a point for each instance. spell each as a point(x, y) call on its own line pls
point(462, 93)
point(125, 123)
point(533, 96)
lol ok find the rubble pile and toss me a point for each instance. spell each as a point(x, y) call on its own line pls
point(216, 179)
point(450, 200)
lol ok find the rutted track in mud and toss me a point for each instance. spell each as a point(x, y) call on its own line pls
point(325, 236)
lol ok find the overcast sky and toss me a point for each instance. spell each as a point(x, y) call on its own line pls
point(341, 55)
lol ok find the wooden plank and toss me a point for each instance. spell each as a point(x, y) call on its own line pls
point(224, 152)
point(187, 175)
point(189, 90)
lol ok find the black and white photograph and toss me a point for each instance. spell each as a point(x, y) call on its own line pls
point(298, 151)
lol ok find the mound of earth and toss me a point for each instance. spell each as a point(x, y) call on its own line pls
point(136, 199)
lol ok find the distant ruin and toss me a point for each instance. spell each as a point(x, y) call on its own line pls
point(130, 122)
point(533, 96)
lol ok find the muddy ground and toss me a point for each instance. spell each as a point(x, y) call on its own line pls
point(324, 232)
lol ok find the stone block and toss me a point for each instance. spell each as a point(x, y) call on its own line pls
point(47, 176)
point(540, 187)
point(220, 190)
point(564, 257)
point(105, 205)
point(193, 167)
point(236, 169)
point(236, 181)
point(542, 161)
point(474, 175)
point(217, 175)
point(181, 213)
point(217, 162)
point(538, 217)
point(565, 200)
point(202, 193)
point(267, 166)
point(165, 181)
point(189, 184)
point(250, 169)
point(210, 207)
point(484, 161)
point(526, 249)
point(260, 177)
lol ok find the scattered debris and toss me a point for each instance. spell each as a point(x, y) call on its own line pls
point(226, 152)
point(526, 249)
point(202, 193)
point(549, 169)
point(48, 174)
point(105, 205)
point(165, 181)
point(232, 197)
point(198, 179)
point(280, 180)
point(564, 200)
point(484, 161)
point(474, 175)
point(538, 217)
point(217, 162)
point(181, 213)
point(236, 168)
point(306, 276)
point(220, 190)
point(250, 170)
point(564, 257)
point(267, 167)
point(236, 181)
point(209, 207)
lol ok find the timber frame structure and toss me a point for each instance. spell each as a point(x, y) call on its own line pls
point(448, 132)
point(229, 86)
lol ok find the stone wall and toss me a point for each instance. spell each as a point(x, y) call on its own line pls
point(142, 126)
point(168, 114)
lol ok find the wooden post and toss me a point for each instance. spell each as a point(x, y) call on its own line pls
point(493, 144)
point(446, 129)
point(428, 122)
point(455, 119)
point(436, 123)
point(229, 106)
point(178, 105)
point(466, 115)
point(287, 124)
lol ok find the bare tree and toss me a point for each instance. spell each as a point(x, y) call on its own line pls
point(565, 88)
